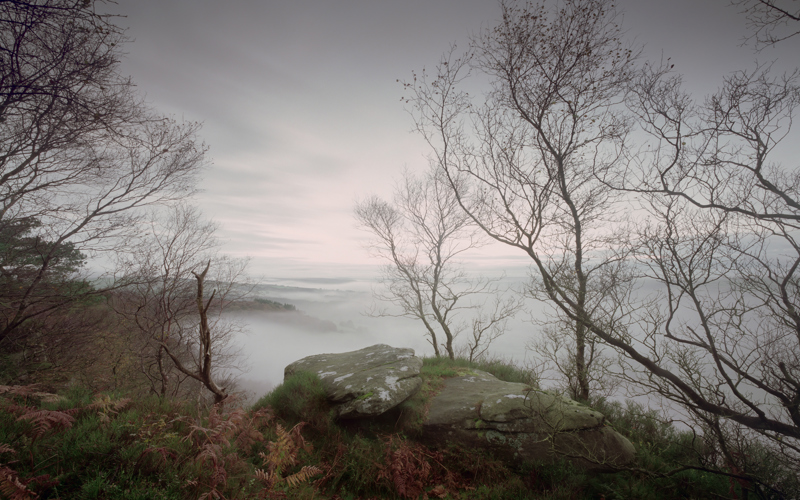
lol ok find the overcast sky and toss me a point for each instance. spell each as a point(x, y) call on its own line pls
point(301, 105)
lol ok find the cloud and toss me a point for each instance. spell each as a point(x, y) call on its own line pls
point(302, 110)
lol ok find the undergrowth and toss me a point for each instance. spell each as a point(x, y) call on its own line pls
point(288, 445)
point(115, 448)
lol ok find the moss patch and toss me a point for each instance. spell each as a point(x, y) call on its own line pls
point(365, 396)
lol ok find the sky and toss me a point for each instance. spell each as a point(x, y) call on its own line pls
point(302, 108)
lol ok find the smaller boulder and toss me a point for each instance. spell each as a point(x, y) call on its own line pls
point(514, 421)
point(364, 383)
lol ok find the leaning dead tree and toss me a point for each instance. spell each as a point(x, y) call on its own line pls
point(174, 331)
point(202, 373)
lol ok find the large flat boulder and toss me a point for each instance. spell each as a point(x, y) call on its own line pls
point(516, 422)
point(367, 382)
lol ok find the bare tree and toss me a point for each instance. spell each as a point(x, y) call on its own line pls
point(420, 235)
point(770, 21)
point(721, 242)
point(82, 154)
point(489, 324)
point(165, 303)
point(722, 225)
point(530, 152)
point(713, 247)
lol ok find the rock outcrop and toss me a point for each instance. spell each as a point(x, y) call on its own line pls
point(510, 420)
point(364, 383)
point(515, 422)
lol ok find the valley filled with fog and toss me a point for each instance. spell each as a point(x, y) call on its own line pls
point(333, 315)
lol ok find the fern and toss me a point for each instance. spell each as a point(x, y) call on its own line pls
point(41, 422)
point(44, 421)
point(212, 440)
point(220, 427)
point(29, 392)
point(11, 487)
point(107, 408)
point(162, 452)
point(249, 429)
point(283, 453)
point(406, 467)
point(20, 390)
point(304, 475)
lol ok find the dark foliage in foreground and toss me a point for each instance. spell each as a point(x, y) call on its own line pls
point(83, 446)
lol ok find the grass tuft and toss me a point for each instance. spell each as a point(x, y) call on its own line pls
point(501, 368)
point(301, 398)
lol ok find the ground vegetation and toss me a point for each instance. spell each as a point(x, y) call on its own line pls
point(85, 445)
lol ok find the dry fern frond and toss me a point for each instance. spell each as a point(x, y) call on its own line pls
point(45, 420)
point(268, 479)
point(26, 392)
point(282, 451)
point(11, 487)
point(249, 433)
point(304, 475)
point(341, 451)
point(210, 452)
point(20, 390)
point(4, 448)
point(263, 416)
point(214, 494)
point(107, 407)
point(220, 429)
point(406, 467)
point(212, 440)
point(439, 491)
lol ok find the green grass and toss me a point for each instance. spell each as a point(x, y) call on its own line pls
point(301, 398)
point(500, 368)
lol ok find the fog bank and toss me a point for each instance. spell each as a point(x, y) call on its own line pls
point(332, 316)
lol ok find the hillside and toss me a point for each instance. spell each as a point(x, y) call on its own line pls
point(107, 446)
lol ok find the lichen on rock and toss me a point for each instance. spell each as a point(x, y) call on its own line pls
point(515, 421)
point(367, 382)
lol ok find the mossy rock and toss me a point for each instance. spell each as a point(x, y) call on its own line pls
point(364, 383)
point(515, 421)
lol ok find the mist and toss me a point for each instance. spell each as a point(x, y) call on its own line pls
point(333, 316)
